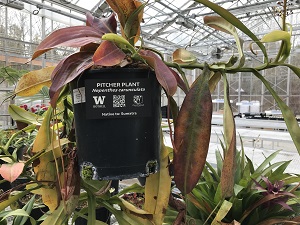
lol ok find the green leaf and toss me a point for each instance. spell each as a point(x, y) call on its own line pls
point(91, 208)
point(12, 198)
point(279, 35)
point(97, 187)
point(21, 213)
point(266, 162)
point(235, 22)
point(192, 134)
point(57, 217)
point(295, 69)
point(21, 220)
point(120, 41)
point(133, 188)
point(132, 26)
point(222, 24)
point(122, 217)
point(289, 117)
point(19, 114)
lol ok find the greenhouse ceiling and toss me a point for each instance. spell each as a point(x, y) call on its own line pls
point(171, 24)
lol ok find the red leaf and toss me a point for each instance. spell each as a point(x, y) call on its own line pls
point(67, 70)
point(108, 54)
point(163, 73)
point(76, 36)
point(91, 47)
point(192, 134)
point(103, 25)
point(11, 172)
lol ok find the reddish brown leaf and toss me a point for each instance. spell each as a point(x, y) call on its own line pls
point(91, 47)
point(11, 172)
point(108, 54)
point(163, 73)
point(76, 36)
point(103, 25)
point(67, 70)
point(228, 170)
point(192, 134)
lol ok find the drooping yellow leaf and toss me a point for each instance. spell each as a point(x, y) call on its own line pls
point(45, 170)
point(32, 82)
point(44, 135)
point(131, 207)
point(157, 189)
point(44, 166)
point(222, 212)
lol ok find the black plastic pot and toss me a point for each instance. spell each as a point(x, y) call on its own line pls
point(117, 122)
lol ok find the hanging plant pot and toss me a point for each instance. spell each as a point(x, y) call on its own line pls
point(117, 122)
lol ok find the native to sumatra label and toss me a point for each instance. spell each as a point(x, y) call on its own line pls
point(121, 98)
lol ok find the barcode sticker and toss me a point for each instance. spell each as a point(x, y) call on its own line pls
point(79, 95)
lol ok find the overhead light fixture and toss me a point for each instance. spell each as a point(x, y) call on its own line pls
point(186, 23)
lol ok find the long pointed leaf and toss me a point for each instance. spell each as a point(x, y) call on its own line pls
point(76, 36)
point(228, 170)
point(157, 189)
point(163, 73)
point(44, 135)
point(222, 24)
point(235, 22)
point(192, 134)
point(102, 25)
point(289, 117)
point(19, 114)
point(132, 28)
point(67, 70)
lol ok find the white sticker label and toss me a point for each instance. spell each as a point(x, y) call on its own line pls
point(79, 95)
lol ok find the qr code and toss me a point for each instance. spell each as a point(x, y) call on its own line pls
point(119, 101)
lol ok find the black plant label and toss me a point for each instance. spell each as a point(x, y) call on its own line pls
point(117, 98)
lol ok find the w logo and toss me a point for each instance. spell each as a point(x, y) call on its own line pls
point(99, 100)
